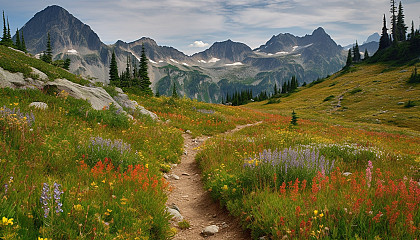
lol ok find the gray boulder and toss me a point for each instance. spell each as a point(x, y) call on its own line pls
point(39, 105)
point(125, 102)
point(210, 230)
point(176, 216)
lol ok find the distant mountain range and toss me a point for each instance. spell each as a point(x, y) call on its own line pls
point(371, 44)
point(223, 68)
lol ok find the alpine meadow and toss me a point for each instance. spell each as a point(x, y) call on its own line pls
point(299, 138)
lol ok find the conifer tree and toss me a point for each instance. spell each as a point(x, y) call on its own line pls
point(144, 76)
point(294, 118)
point(366, 54)
point(47, 55)
point(18, 44)
point(349, 59)
point(401, 27)
point(174, 93)
point(384, 41)
point(356, 53)
point(66, 64)
point(9, 36)
point(412, 34)
point(4, 38)
point(125, 76)
point(275, 89)
point(284, 88)
point(394, 31)
point(23, 45)
point(113, 71)
point(157, 93)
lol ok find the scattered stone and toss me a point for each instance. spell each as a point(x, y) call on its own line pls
point(174, 206)
point(41, 75)
point(185, 152)
point(176, 177)
point(173, 165)
point(263, 238)
point(176, 216)
point(185, 196)
point(39, 105)
point(186, 174)
point(224, 225)
point(188, 131)
point(400, 103)
point(210, 230)
point(166, 176)
point(347, 174)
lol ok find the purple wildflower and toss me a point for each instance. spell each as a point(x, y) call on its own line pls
point(45, 197)
point(57, 198)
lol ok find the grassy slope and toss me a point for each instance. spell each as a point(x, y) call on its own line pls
point(382, 88)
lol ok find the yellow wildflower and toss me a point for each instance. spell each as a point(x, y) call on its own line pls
point(78, 207)
point(225, 187)
point(147, 165)
point(315, 212)
point(6, 221)
point(321, 215)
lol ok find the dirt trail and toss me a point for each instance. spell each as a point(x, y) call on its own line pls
point(194, 203)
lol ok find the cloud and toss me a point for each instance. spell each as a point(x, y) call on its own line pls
point(198, 44)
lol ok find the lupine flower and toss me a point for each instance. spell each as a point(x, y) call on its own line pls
point(45, 197)
point(57, 194)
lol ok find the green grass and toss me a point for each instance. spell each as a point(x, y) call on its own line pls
point(14, 61)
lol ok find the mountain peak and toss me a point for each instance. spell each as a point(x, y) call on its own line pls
point(319, 31)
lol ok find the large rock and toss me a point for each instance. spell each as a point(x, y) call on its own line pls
point(17, 80)
point(96, 96)
point(125, 102)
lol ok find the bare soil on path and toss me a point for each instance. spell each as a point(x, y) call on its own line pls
point(195, 203)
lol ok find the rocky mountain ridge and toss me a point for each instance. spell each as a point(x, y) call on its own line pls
point(207, 76)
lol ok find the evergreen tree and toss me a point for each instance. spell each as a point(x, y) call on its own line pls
point(294, 118)
point(157, 93)
point(366, 54)
point(349, 59)
point(66, 64)
point(47, 55)
point(144, 77)
point(356, 53)
point(284, 88)
point(174, 93)
point(401, 27)
point(18, 44)
point(125, 76)
point(113, 71)
point(384, 42)
point(275, 89)
point(23, 45)
point(394, 29)
point(4, 38)
point(412, 34)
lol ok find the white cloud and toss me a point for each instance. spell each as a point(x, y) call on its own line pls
point(198, 44)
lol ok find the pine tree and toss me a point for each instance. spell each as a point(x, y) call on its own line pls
point(125, 76)
point(174, 93)
point(294, 118)
point(144, 76)
point(394, 31)
point(113, 71)
point(366, 54)
point(384, 42)
point(401, 27)
point(66, 64)
point(9, 36)
point(18, 44)
point(284, 88)
point(47, 55)
point(356, 53)
point(157, 93)
point(349, 59)
point(412, 34)
point(4, 38)
point(23, 43)
point(275, 89)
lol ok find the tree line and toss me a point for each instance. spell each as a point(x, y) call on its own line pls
point(6, 39)
point(135, 77)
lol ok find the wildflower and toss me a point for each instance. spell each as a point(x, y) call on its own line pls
point(78, 207)
point(5, 221)
point(321, 215)
point(45, 198)
point(57, 197)
point(225, 187)
point(315, 212)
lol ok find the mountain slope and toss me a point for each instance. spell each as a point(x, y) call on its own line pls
point(372, 93)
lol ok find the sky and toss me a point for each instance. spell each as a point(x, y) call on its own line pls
point(194, 25)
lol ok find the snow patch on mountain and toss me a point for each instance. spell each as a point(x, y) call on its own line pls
point(72, 51)
point(214, 60)
point(234, 64)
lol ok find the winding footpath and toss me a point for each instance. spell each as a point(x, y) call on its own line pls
point(195, 204)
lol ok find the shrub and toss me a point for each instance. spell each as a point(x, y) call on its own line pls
point(328, 98)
